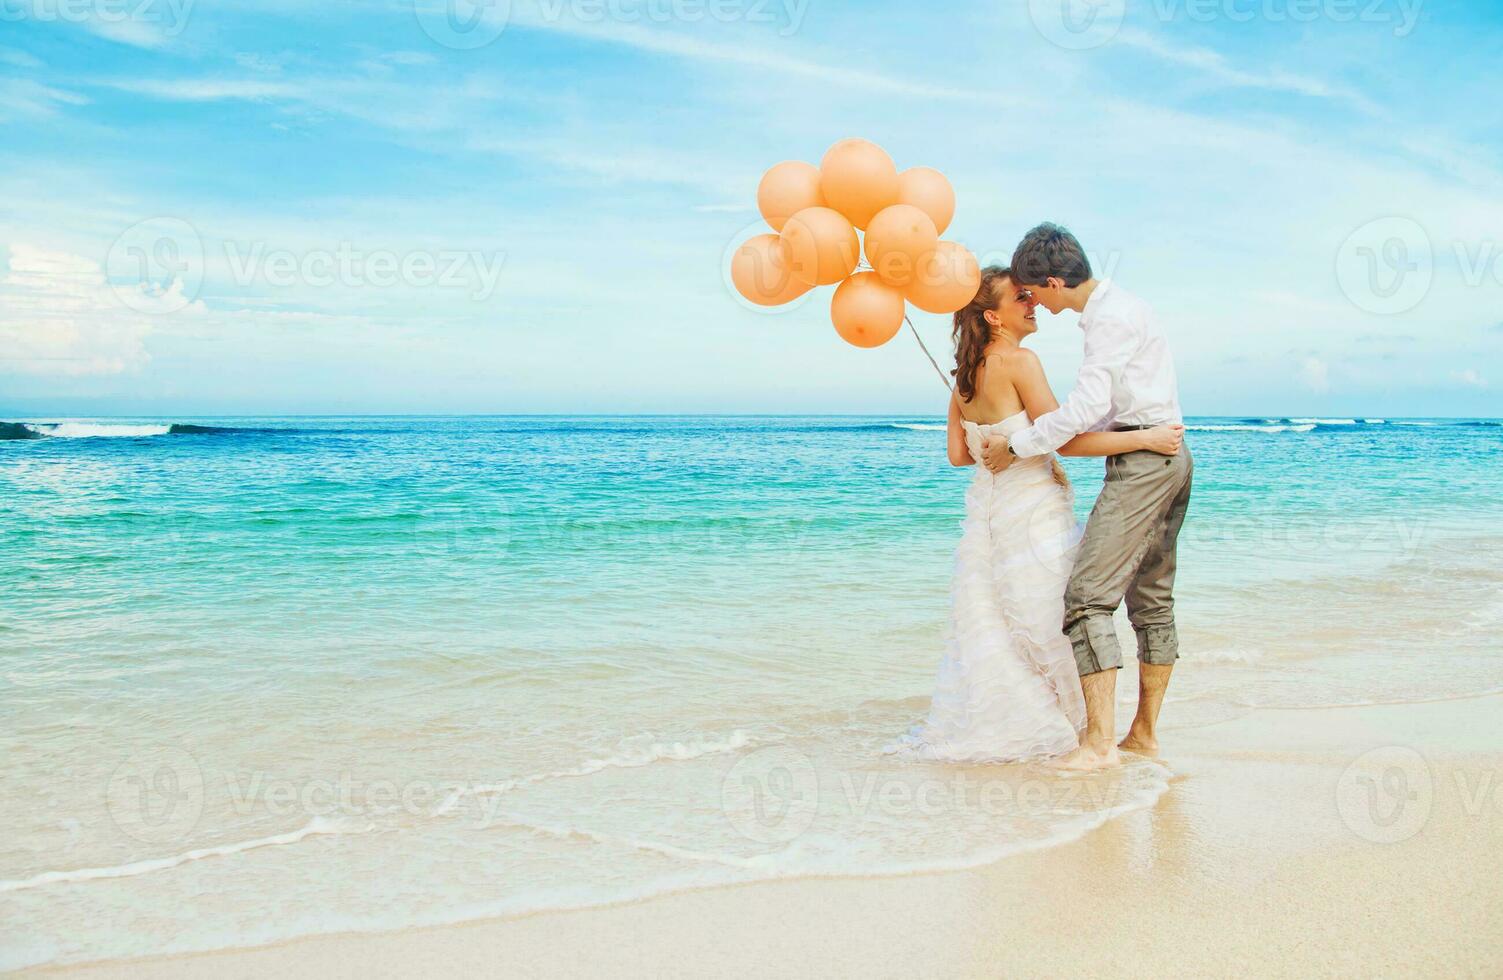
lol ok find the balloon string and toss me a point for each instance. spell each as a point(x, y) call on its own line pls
point(922, 346)
point(925, 349)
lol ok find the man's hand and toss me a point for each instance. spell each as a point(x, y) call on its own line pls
point(997, 456)
point(1165, 440)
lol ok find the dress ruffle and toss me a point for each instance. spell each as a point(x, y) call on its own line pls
point(1007, 687)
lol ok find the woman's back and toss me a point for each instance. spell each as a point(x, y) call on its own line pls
point(996, 398)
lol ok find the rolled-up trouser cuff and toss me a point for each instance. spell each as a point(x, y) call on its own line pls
point(1094, 640)
point(1158, 645)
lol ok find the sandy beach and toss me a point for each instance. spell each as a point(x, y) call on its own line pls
point(1341, 841)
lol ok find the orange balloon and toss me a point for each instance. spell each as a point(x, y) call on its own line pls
point(866, 311)
point(821, 246)
point(947, 279)
point(897, 240)
point(858, 179)
point(759, 271)
point(787, 188)
point(928, 190)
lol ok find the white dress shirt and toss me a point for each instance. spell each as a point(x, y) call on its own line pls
point(1127, 377)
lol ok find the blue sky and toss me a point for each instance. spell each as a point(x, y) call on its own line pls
point(283, 207)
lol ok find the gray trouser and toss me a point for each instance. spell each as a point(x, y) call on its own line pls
point(1129, 550)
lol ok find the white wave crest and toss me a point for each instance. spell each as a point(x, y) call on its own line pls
point(319, 825)
point(1324, 421)
point(1302, 427)
point(630, 759)
point(918, 426)
point(93, 430)
point(1226, 655)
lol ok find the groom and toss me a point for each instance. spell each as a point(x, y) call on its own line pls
point(1125, 382)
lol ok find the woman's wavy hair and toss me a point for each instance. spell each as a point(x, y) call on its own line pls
point(972, 333)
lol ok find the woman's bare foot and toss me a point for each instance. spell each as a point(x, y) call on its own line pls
point(1089, 757)
point(1141, 744)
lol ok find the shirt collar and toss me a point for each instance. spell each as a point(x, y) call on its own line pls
point(1094, 303)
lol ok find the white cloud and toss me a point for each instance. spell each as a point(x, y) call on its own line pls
point(1471, 377)
point(210, 89)
point(1315, 375)
point(681, 46)
point(18, 59)
point(126, 30)
point(59, 316)
point(23, 97)
point(1214, 64)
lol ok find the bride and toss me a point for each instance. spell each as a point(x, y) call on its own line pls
point(1008, 688)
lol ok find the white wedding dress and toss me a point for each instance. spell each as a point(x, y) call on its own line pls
point(1008, 689)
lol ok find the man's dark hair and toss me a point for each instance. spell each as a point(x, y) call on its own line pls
point(1046, 251)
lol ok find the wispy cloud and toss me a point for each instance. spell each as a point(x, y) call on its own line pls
point(1215, 65)
point(18, 59)
point(128, 30)
point(24, 97)
point(210, 89)
point(671, 44)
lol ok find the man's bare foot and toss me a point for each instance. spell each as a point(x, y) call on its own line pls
point(1141, 744)
point(1088, 758)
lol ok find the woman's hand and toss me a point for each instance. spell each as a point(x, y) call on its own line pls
point(1164, 439)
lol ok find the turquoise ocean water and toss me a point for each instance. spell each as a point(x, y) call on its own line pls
point(276, 676)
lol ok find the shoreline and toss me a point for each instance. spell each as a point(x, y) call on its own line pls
point(1270, 838)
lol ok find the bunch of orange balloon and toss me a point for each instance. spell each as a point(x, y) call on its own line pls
point(816, 212)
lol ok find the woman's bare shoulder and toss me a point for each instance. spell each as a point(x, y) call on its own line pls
point(1021, 361)
point(1011, 363)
